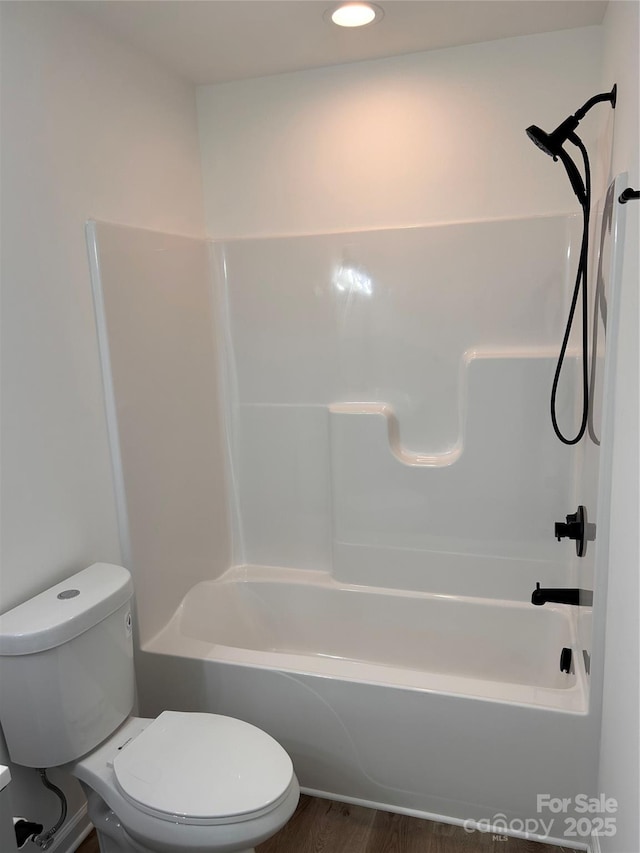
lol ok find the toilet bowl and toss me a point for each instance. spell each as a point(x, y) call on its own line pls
point(189, 782)
point(180, 783)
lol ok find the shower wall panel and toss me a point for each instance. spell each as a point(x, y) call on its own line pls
point(156, 330)
point(449, 334)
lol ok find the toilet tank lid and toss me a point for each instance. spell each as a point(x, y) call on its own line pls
point(65, 611)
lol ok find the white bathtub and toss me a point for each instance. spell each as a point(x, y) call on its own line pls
point(306, 622)
point(438, 705)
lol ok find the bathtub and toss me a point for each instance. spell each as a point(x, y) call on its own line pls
point(448, 707)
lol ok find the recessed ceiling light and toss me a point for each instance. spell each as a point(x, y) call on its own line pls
point(355, 14)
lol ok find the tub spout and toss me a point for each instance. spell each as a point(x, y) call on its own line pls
point(582, 597)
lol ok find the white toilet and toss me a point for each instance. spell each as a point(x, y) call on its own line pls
point(199, 783)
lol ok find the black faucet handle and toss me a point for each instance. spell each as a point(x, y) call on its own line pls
point(575, 527)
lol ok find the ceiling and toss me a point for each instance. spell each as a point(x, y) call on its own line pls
point(215, 41)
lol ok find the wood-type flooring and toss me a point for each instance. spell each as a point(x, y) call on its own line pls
point(325, 826)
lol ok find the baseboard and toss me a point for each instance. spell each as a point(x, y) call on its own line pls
point(73, 833)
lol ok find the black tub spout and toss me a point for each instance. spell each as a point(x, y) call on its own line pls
point(583, 597)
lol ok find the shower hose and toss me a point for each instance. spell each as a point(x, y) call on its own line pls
point(580, 283)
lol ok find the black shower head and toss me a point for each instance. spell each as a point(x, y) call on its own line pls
point(540, 138)
point(551, 143)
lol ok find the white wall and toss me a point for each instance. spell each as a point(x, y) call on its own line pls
point(90, 128)
point(619, 753)
point(429, 137)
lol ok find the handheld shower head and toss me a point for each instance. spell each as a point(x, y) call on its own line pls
point(551, 143)
point(542, 139)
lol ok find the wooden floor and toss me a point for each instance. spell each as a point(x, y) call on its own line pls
point(324, 826)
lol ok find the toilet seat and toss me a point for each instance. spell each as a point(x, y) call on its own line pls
point(203, 769)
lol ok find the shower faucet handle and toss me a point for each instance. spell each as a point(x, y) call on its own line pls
point(573, 527)
point(576, 527)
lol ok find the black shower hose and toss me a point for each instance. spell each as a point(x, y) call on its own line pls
point(581, 281)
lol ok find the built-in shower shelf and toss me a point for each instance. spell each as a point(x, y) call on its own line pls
point(483, 497)
point(386, 415)
point(502, 369)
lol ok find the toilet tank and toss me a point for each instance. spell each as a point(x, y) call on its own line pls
point(66, 667)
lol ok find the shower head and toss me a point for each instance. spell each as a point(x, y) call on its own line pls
point(551, 143)
point(542, 139)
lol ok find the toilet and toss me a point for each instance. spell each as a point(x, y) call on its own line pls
point(193, 782)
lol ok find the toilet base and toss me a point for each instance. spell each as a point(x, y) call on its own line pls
point(112, 836)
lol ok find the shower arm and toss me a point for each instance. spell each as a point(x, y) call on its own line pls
point(597, 99)
point(571, 123)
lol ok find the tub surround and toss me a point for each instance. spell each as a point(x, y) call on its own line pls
point(381, 447)
point(390, 426)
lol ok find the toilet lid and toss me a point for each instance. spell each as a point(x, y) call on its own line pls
point(202, 768)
